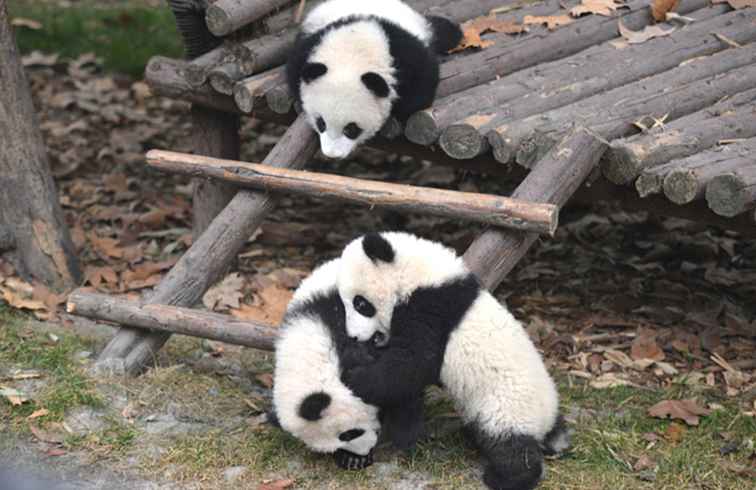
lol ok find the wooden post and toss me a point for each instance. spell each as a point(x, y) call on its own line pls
point(172, 319)
point(496, 210)
point(214, 133)
point(553, 179)
point(211, 253)
point(28, 198)
point(226, 16)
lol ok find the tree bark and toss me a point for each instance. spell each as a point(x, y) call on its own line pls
point(553, 180)
point(223, 77)
point(732, 118)
point(209, 256)
point(671, 94)
point(485, 208)
point(735, 192)
point(568, 80)
point(198, 69)
point(29, 201)
point(171, 319)
point(226, 16)
point(251, 92)
point(263, 53)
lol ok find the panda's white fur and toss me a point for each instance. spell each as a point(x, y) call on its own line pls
point(489, 366)
point(307, 363)
point(349, 39)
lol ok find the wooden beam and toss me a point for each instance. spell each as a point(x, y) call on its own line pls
point(202, 265)
point(553, 179)
point(225, 16)
point(29, 204)
point(172, 319)
point(485, 208)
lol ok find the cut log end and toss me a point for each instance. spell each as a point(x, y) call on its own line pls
point(463, 142)
point(218, 21)
point(245, 101)
point(724, 196)
point(532, 149)
point(621, 164)
point(422, 128)
point(681, 186)
point(279, 100)
point(648, 184)
point(221, 82)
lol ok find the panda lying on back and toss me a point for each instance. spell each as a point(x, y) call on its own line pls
point(356, 62)
point(429, 320)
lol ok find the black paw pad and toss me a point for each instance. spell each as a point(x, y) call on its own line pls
point(350, 461)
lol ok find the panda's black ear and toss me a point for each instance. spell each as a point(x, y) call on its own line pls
point(377, 248)
point(376, 84)
point(312, 407)
point(313, 71)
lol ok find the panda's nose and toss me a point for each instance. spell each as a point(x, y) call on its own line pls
point(351, 435)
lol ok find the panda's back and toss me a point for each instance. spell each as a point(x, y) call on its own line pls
point(495, 374)
point(393, 11)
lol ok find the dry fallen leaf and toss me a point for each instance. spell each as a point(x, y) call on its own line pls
point(275, 485)
point(609, 380)
point(97, 275)
point(644, 462)
point(225, 294)
point(638, 37)
point(108, 247)
point(46, 435)
point(645, 347)
point(659, 9)
point(598, 7)
point(19, 294)
point(38, 413)
point(552, 21)
point(28, 23)
point(473, 29)
point(14, 396)
point(265, 379)
point(686, 410)
point(271, 307)
point(675, 433)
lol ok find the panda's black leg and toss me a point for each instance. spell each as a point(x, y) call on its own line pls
point(404, 424)
point(350, 461)
point(515, 462)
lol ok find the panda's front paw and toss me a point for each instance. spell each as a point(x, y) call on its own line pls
point(350, 461)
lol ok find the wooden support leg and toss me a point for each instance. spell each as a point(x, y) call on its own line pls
point(208, 257)
point(215, 134)
point(553, 180)
point(28, 197)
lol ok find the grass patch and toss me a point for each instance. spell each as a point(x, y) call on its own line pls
point(124, 36)
point(63, 385)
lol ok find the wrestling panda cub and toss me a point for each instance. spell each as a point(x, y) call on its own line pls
point(309, 399)
point(356, 62)
point(429, 321)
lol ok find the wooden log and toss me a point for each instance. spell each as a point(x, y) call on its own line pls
point(225, 16)
point(732, 118)
point(171, 319)
point(734, 192)
point(29, 204)
point(462, 120)
point(484, 208)
point(223, 77)
point(553, 180)
point(684, 180)
point(251, 92)
point(263, 53)
point(509, 55)
point(7, 241)
point(669, 95)
point(208, 257)
point(198, 69)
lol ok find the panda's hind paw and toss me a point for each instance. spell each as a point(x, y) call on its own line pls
point(350, 461)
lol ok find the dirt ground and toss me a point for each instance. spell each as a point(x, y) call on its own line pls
point(633, 313)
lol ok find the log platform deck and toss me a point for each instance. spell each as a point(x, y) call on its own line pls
point(667, 125)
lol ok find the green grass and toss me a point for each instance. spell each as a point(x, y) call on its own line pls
point(124, 36)
point(65, 385)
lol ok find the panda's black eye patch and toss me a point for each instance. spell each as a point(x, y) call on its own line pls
point(376, 84)
point(363, 306)
point(312, 407)
point(320, 124)
point(351, 435)
point(352, 131)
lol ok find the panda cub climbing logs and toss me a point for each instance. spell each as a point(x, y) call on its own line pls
point(357, 62)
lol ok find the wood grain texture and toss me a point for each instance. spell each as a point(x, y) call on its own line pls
point(485, 208)
point(225, 16)
point(29, 205)
point(172, 320)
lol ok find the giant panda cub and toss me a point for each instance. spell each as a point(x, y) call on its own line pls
point(429, 321)
point(309, 399)
point(356, 62)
